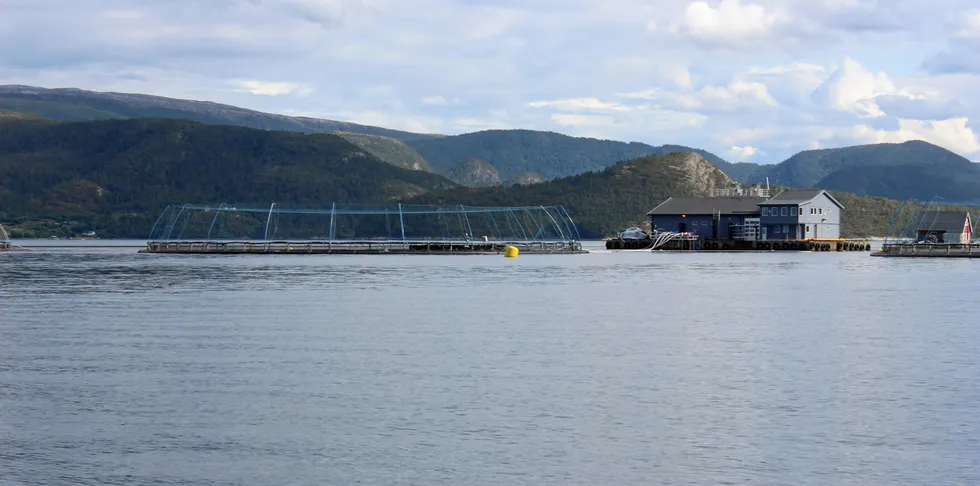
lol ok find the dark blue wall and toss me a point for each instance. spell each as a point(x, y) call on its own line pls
point(700, 224)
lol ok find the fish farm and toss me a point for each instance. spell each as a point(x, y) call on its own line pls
point(363, 229)
point(930, 231)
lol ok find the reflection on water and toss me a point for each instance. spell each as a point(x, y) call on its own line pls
point(607, 368)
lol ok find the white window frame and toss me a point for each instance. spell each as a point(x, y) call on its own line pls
point(793, 211)
point(784, 211)
point(765, 210)
point(821, 210)
point(807, 229)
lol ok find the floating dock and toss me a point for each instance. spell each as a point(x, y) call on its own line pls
point(928, 250)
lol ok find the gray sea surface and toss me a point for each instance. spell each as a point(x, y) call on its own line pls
point(628, 368)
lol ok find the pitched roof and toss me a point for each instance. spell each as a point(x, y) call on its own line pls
point(948, 221)
point(798, 197)
point(708, 205)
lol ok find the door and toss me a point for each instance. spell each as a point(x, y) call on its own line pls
point(815, 230)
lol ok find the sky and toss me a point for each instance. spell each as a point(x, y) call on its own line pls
point(750, 80)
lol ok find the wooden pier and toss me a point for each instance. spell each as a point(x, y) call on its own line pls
point(928, 250)
point(364, 247)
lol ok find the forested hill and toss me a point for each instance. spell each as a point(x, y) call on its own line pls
point(552, 155)
point(602, 203)
point(116, 175)
point(914, 169)
point(69, 104)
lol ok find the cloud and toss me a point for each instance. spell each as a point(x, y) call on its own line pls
point(435, 100)
point(566, 119)
point(742, 153)
point(853, 88)
point(730, 21)
point(953, 134)
point(772, 75)
point(274, 88)
point(577, 104)
point(971, 25)
point(737, 95)
point(919, 108)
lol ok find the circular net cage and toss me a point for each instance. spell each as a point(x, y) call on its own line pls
point(400, 222)
point(932, 223)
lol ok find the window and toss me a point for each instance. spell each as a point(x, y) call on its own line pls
point(765, 211)
point(808, 229)
point(775, 229)
point(786, 228)
point(821, 210)
point(792, 211)
point(783, 211)
point(813, 210)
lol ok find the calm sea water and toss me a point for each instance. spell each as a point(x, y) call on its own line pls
point(607, 368)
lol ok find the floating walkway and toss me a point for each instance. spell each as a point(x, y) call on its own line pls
point(926, 250)
point(360, 229)
point(376, 247)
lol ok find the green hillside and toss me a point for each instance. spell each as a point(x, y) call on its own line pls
point(70, 104)
point(514, 152)
point(387, 149)
point(117, 175)
point(912, 169)
point(16, 115)
point(474, 173)
point(602, 203)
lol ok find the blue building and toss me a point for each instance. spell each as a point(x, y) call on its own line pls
point(800, 215)
point(790, 215)
point(708, 217)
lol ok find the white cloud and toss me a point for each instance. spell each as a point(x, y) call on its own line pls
point(854, 88)
point(577, 104)
point(435, 100)
point(953, 134)
point(566, 119)
point(971, 25)
point(729, 21)
point(737, 95)
point(273, 88)
point(742, 153)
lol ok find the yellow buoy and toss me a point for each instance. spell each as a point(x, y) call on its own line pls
point(511, 252)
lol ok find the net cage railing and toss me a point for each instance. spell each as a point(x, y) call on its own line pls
point(348, 222)
point(925, 223)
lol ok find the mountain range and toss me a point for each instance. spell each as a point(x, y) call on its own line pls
point(115, 168)
point(512, 153)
